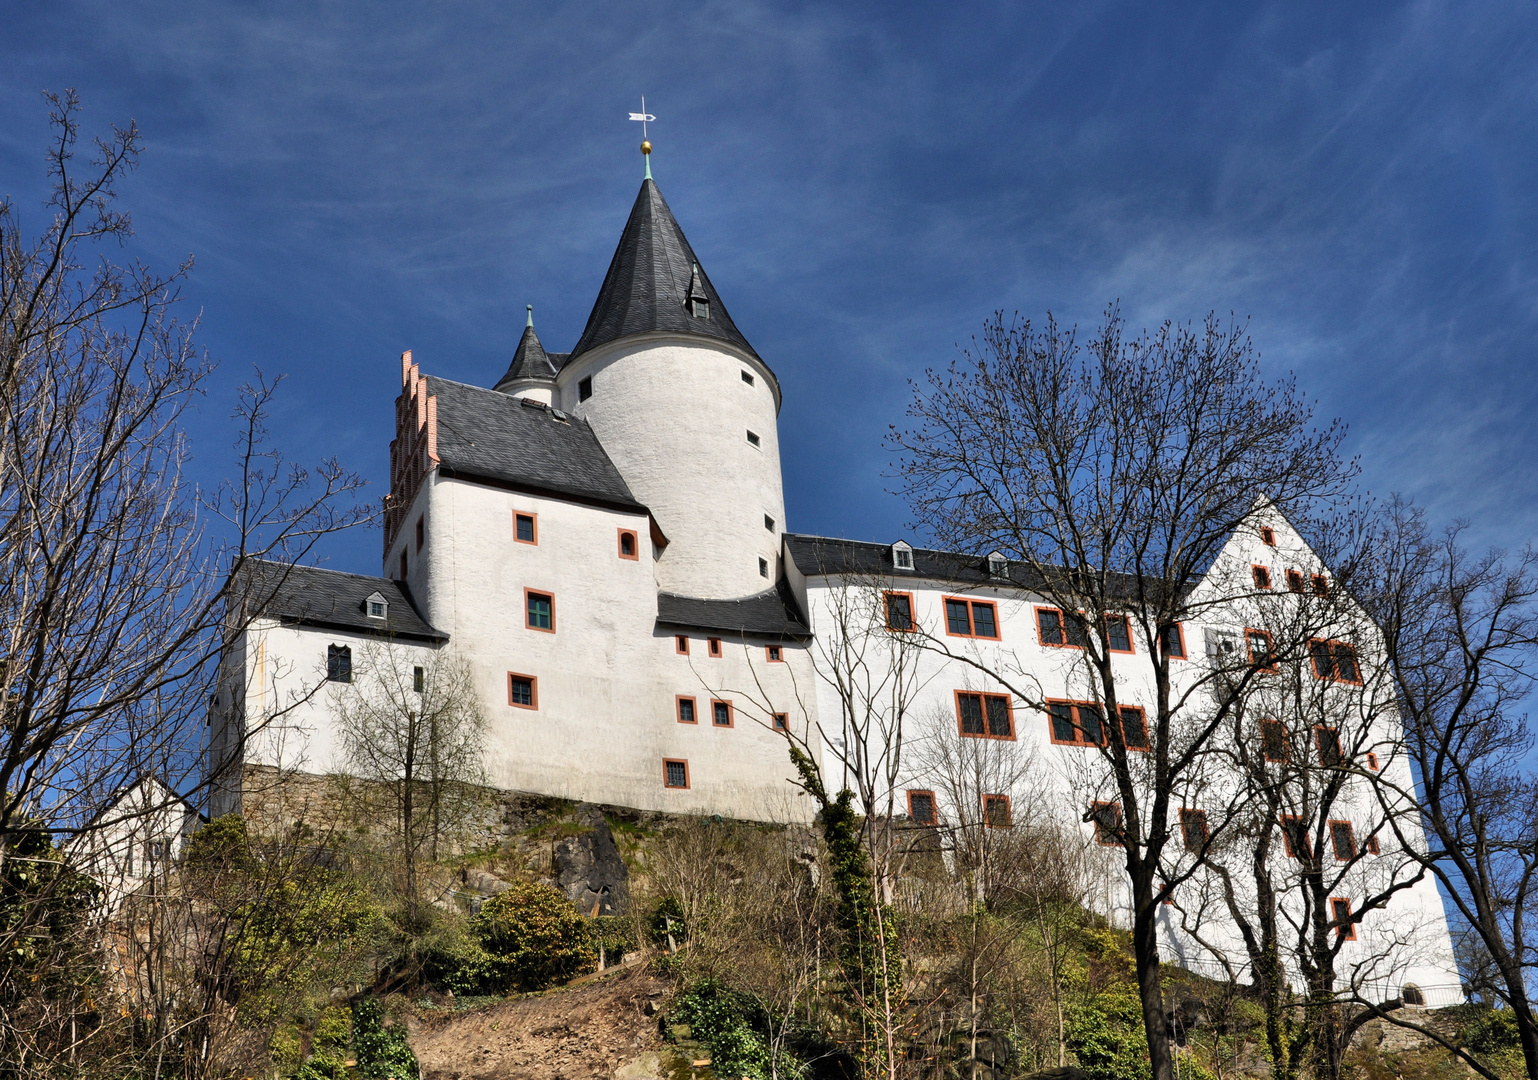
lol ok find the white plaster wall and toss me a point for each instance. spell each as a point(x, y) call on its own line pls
point(673, 414)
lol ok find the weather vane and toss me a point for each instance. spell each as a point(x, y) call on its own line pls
point(646, 146)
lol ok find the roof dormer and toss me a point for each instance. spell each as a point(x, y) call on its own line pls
point(902, 556)
point(375, 606)
point(998, 565)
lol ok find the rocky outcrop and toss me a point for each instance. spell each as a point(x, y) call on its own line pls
point(589, 870)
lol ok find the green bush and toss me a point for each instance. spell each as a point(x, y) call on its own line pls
point(532, 937)
point(730, 1024)
point(1106, 1035)
point(382, 1052)
point(1492, 1032)
point(668, 916)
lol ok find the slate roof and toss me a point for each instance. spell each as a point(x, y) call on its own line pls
point(312, 596)
point(530, 361)
point(772, 613)
point(649, 282)
point(818, 556)
point(490, 435)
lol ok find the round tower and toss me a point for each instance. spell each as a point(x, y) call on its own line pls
point(685, 407)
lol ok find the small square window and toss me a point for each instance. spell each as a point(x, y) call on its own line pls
point(769, 523)
point(526, 528)
point(921, 808)
point(747, 377)
point(781, 721)
point(1268, 536)
point(418, 679)
point(1193, 829)
point(721, 714)
point(713, 646)
point(753, 438)
point(377, 609)
point(686, 711)
point(773, 654)
point(339, 663)
point(522, 691)
point(629, 545)
point(681, 644)
point(540, 609)
point(996, 813)
point(1295, 581)
point(763, 567)
point(585, 389)
point(1109, 830)
point(1321, 585)
point(675, 773)
point(1372, 761)
point(1262, 653)
point(1262, 576)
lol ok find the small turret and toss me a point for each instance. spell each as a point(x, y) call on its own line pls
point(532, 372)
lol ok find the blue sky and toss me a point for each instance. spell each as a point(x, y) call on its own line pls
point(865, 185)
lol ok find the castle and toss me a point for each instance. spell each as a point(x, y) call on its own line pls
point(600, 534)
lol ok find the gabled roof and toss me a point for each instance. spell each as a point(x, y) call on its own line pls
point(648, 284)
point(312, 596)
point(530, 361)
point(488, 435)
point(772, 614)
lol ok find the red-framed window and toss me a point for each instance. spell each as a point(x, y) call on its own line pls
point(1342, 841)
point(1261, 576)
point(1294, 837)
point(1075, 723)
point(1273, 741)
point(1054, 631)
point(1372, 844)
point(713, 646)
point(1110, 830)
point(522, 691)
point(1268, 536)
point(774, 654)
point(539, 610)
point(1340, 917)
point(922, 809)
point(984, 716)
point(1372, 761)
point(1321, 585)
point(1262, 651)
point(899, 610)
point(681, 644)
point(1295, 581)
point(1335, 661)
point(1193, 829)
point(687, 709)
point(1134, 727)
point(1327, 739)
point(722, 714)
point(996, 812)
point(971, 618)
point(781, 721)
point(675, 773)
point(629, 545)
point(1174, 639)
point(1118, 632)
point(525, 527)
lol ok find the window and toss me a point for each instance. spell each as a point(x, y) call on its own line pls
point(998, 565)
point(339, 663)
point(747, 377)
point(713, 646)
point(1295, 581)
point(1173, 638)
point(585, 391)
point(1273, 740)
point(1053, 629)
point(526, 528)
point(773, 654)
point(721, 714)
point(1342, 840)
point(699, 307)
point(971, 618)
point(1328, 741)
point(1411, 994)
point(1262, 576)
point(1268, 536)
point(629, 545)
point(1118, 630)
point(1372, 844)
point(419, 533)
point(781, 721)
point(899, 611)
point(418, 679)
point(1075, 723)
point(769, 523)
point(1134, 727)
point(403, 566)
point(1340, 916)
point(1372, 761)
point(540, 611)
point(1108, 823)
point(686, 713)
point(996, 813)
point(902, 556)
point(1193, 829)
point(985, 716)
point(921, 808)
point(763, 567)
point(675, 773)
point(1334, 661)
point(376, 606)
point(1294, 837)
point(1262, 652)
point(681, 644)
point(522, 691)
point(752, 438)
point(1321, 585)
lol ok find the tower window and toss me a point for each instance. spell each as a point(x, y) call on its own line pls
point(763, 567)
point(419, 533)
point(628, 544)
point(781, 721)
point(403, 566)
point(522, 691)
point(526, 528)
point(418, 679)
point(681, 644)
point(540, 609)
point(747, 377)
point(700, 309)
point(769, 523)
point(713, 645)
point(338, 663)
point(753, 438)
point(585, 389)
point(773, 654)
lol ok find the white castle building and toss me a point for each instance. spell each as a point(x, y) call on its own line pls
point(601, 535)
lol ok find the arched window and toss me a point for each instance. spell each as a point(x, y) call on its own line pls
point(339, 663)
point(1411, 995)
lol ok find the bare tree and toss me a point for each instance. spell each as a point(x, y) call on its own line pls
point(1114, 474)
point(411, 726)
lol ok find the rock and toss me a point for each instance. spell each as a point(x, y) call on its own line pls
point(649, 1009)
point(646, 1067)
point(680, 1033)
point(482, 882)
point(589, 870)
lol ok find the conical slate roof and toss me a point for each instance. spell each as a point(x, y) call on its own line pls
point(650, 280)
point(530, 361)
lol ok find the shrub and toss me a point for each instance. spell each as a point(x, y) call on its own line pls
point(382, 1052)
point(533, 938)
point(730, 1025)
point(1492, 1032)
point(1106, 1035)
point(668, 917)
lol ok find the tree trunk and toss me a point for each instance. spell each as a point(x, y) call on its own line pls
point(1145, 951)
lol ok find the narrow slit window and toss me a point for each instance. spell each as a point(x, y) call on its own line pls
point(585, 389)
point(681, 644)
point(420, 533)
point(713, 646)
point(418, 679)
point(747, 377)
point(763, 567)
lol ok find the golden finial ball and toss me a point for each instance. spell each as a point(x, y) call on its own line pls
point(646, 146)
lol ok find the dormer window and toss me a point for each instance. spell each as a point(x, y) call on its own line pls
point(998, 565)
point(699, 300)
point(700, 309)
point(902, 556)
point(376, 606)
